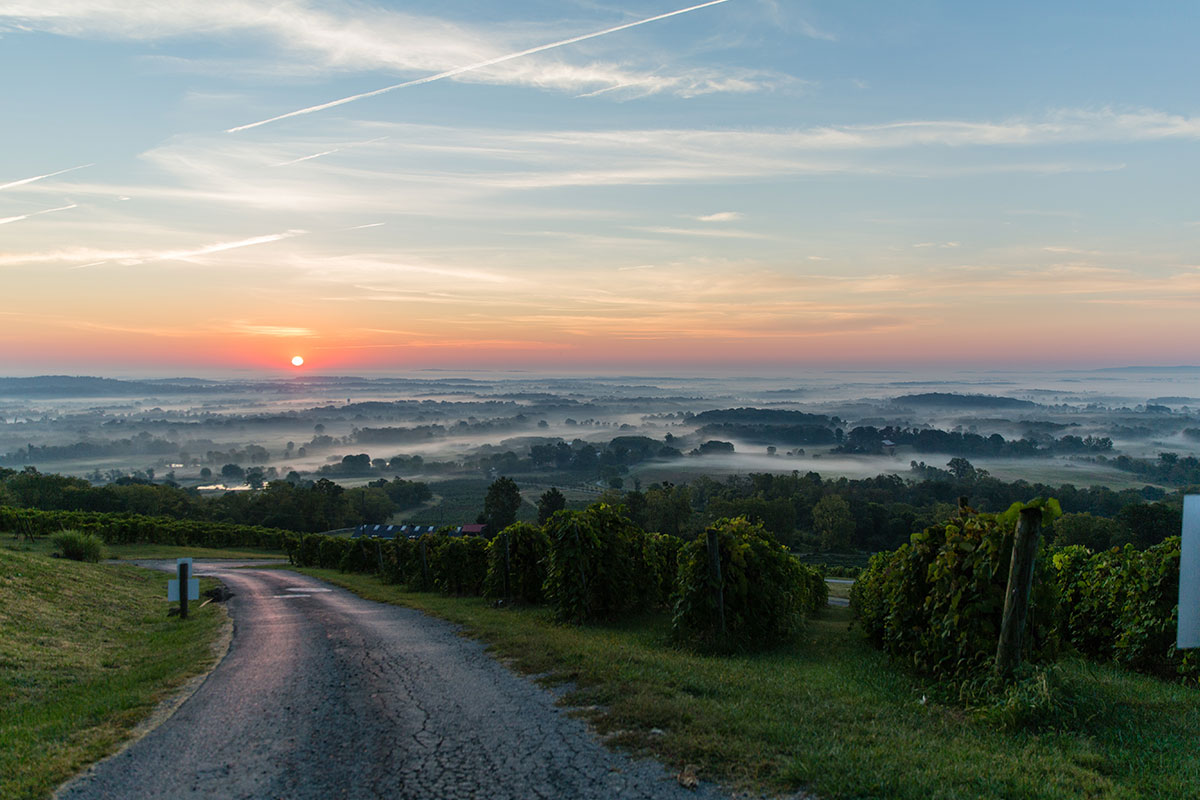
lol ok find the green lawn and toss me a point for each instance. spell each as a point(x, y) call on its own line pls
point(831, 715)
point(86, 652)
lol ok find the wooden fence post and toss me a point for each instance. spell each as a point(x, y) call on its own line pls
point(1016, 596)
point(714, 565)
point(424, 565)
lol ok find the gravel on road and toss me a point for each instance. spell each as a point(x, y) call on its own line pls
point(326, 695)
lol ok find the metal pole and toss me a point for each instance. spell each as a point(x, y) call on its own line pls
point(183, 590)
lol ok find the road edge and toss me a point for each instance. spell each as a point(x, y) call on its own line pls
point(166, 707)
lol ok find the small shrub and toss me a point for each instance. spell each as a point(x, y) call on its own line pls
point(1122, 605)
point(937, 602)
point(1036, 699)
point(79, 546)
point(765, 590)
point(330, 551)
point(459, 564)
point(362, 555)
point(528, 547)
point(309, 552)
point(596, 567)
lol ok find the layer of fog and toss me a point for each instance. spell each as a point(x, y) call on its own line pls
point(270, 414)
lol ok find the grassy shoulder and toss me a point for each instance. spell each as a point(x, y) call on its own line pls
point(831, 715)
point(86, 652)
point(133, 552)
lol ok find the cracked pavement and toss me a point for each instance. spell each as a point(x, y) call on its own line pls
point(326, 695)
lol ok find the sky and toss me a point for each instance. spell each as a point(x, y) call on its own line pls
point(592, 186)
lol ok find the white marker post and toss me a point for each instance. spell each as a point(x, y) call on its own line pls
point(1188, 633)
point(184, 565)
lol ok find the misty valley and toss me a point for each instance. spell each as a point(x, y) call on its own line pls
point(677, 452)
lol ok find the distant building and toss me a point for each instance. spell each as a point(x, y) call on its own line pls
point(414, 531)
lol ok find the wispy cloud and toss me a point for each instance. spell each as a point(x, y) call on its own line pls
point(717, 233)
point(18, 218)
point(450, 73)
point(281, 331)
point(721, 216)
point(93, 257)
point(23, 181)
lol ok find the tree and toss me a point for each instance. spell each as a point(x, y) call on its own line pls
point(833, 522)
point(232, 472)
point(501, 504)
point(668, 508)
point(205, 473)
point(551, 500)
point(961, 468)
point(1094, 533)
point(254, 477)
point(1150, 523)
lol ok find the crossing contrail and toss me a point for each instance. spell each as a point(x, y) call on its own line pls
point(470, 67)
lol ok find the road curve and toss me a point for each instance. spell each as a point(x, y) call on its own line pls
point(326, 695)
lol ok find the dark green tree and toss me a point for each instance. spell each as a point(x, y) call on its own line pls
point(551, 500)
point(833, 522)
point(501, 504)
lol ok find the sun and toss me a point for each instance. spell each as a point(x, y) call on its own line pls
point(297, 361)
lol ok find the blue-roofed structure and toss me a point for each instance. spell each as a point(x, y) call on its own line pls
point(414, 531)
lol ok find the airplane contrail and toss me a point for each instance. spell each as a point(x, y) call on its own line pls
point(6, 220)
point(24, 181)
point(327, 152)
point(468, 68)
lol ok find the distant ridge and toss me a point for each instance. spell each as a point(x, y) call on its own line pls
point(1177, 368)
point(948, 400)
point(87, 386)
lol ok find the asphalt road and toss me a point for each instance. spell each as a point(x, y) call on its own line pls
point(326, 695)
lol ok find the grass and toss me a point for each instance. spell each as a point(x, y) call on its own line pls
point(831, 715)
point(86, 652)
point(132, 552)
point(838, 589)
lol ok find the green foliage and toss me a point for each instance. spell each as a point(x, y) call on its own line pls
point(1122, 605)
point(597, 567)
point(937, 602)
point(527, 547)
point(122, 528)
point(419, 574)
point(458, 564)
point(331, 550)
point(662, 554)
point(500, 504)
point(551, 502)
point(362, 555)
point(309, 552)
point(1094, 533)
point(765, 590)
point(833, 522)
point(1037, 698)
point(79, 546)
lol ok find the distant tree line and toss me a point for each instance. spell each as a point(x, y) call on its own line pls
point(870, 440)
point(305, 506)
